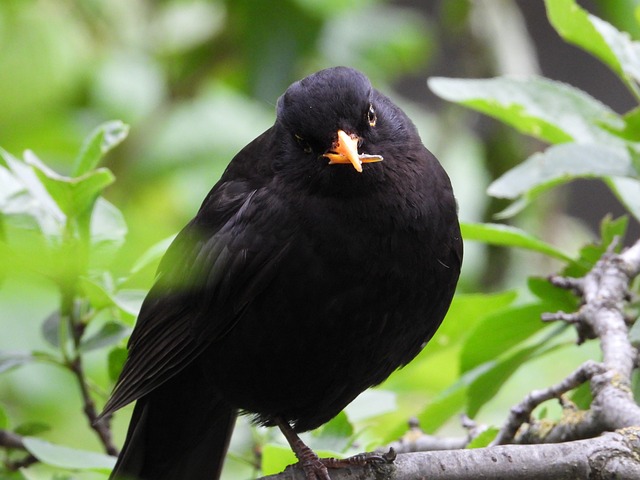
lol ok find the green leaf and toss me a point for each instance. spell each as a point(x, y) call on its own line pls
point(152, 254)
point(65, 457)
point(484, 439)
point(50, 329)
point(612, 228)
point(542, 413)
point(42, 207)
point(4, 419)
point(32, 428)
point(97, 295)
point(9, 360)
point(500, 332)
point(635, 385)
point(526, 199)
point(339, 427)
point(115, 362)
point(628, 192)
point(465, 311)
point(449, 403)
point(336, 435)
point(76, 195)
point(560, 164)
point(104, 138)
point(9, 187)
point(109, 334)
point(600, 38)
point(574, 25)
point(553, 297)
point(23, 474)
point(634, 334)
point(536, 106)
point(582, 397)
point(508, 236)
point(631, 130)
point(130, 301)
point(591, 253)
point(275, 457)
point(634, 154)
point(489, 383)
point(28, 473)
point(108, 232)
point(371, 403)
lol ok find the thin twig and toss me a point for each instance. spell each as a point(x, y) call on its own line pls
point(416, 440)
point(101, 427)
point(576, 285)
point(11, 440)
point(521, 413)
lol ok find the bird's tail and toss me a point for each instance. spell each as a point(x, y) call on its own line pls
point(180, 431)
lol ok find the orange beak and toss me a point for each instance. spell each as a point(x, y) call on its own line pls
point(346, 151)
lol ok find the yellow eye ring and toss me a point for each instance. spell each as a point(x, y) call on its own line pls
point(371, 116)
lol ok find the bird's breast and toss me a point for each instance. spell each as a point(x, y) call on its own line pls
point(355, 296)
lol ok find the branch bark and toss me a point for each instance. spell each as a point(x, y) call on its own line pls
point(612, 455)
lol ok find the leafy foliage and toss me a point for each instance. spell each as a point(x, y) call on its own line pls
point(590, 139)
point(63, 228)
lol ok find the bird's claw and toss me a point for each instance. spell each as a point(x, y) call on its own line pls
point(315, 469)
point(318, 468)
point(360, 460)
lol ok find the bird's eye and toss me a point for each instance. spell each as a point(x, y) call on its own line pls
point(371, 116)
point(303, 144)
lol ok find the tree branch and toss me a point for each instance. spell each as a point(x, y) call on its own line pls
point(521, 413)
point(101, 427)
point(612, 455)
point(13, 441)
point(415, 440)
point(604, 291)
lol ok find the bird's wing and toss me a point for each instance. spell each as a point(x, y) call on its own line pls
point(221, 260)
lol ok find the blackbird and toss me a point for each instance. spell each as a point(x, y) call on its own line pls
point(325, 258)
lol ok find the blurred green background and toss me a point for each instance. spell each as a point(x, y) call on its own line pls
point(196, 80)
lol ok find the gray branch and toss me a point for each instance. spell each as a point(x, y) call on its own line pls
point(604, 292)
point(521, 413)
point(612, 455)
point(415, 440)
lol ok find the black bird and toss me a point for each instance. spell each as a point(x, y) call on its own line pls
point(323, 260)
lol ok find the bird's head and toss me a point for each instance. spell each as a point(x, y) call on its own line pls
point(336, 116)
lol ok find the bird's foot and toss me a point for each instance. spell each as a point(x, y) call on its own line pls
point(314, 467)
point(318, 468)
point(360, 460)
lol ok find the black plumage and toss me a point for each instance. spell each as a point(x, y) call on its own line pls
point(297, 285)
